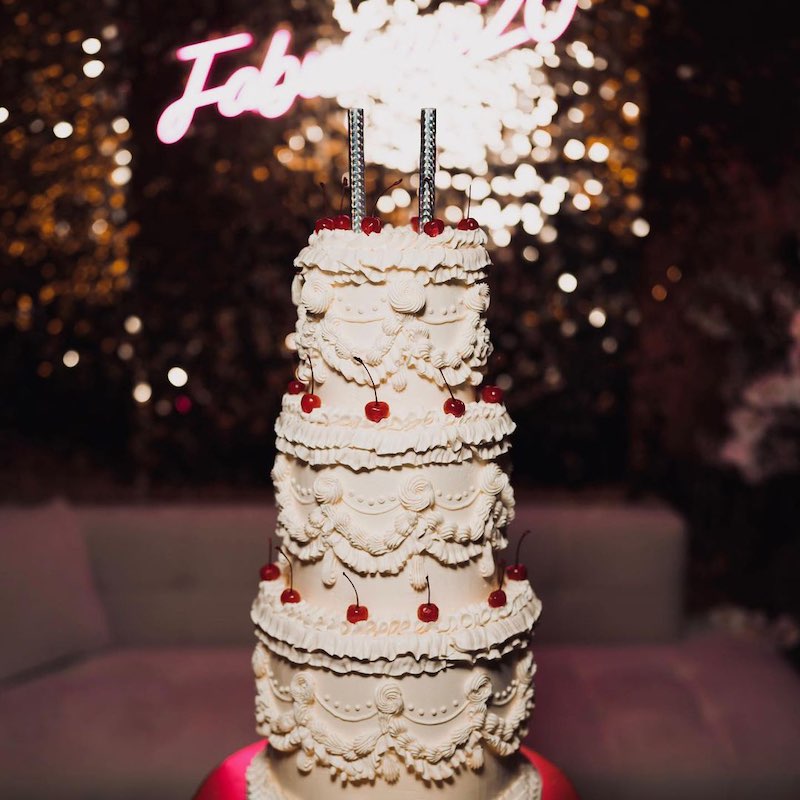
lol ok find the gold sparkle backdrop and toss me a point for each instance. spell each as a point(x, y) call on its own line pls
point(65, 230)
point(165, 270)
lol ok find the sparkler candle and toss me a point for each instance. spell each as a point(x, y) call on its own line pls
point(355, 133)
point(427, 166)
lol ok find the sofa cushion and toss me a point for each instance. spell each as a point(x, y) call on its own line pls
point(49, 608)
point(126, 725)
point(709, 718)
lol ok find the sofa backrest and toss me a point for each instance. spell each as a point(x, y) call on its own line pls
point(178, 574)
point(187, 574)
point(605, 572)
point(50, 609)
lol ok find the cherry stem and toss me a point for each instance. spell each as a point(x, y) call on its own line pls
point(386, 189)
point(502, 570)
point(428, 584)
point(311, 367)
point(324, 191)
point(469, 199)
point(447, 384)
point(291, 570)
point(358, 605)
point(519, 545)
point(270, 550)
point(361, 361)
point(345, 185)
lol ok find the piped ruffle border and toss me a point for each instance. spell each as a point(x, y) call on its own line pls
point(305, 634)
point(356, 258)
point(335, 437)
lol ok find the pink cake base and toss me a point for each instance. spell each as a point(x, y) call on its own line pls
point(227, 781)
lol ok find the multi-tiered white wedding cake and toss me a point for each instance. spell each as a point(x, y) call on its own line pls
point(393, 656)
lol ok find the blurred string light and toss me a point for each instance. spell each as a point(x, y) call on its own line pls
point(91, 45)
point(177, 376)
point(93, 68)
point(65, 228)
point(567, 283)
point(142, 392)
point(132, 325)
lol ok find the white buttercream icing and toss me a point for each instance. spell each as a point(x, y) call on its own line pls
point(391, 701)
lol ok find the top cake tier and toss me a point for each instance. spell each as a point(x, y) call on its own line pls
point(410, 306)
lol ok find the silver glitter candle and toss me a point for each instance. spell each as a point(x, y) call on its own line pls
point(355, 135)
point(427, 166)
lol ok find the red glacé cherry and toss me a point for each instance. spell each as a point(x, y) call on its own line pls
point(323, 224)
point(517, 572)
point(434, 227)
point(492, 394)
point(497, 598)
point(270, 572)
point(357, 613)
point(342, 222)
point(308, 402)
point(296, 387)
point(428, 612)
point(376, 410)
point(468, 224)
point(371, 225)
point(415, 224)
point(290, 596)
point(454, 406)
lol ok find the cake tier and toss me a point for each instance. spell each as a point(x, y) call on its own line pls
point(330, 436)
point(412, 308)
point(377, 729)
point(392, 522)
point(397, 644)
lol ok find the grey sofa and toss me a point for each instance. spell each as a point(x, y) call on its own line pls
point(125, 660)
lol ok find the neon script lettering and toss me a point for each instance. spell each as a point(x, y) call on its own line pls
point(271, 90)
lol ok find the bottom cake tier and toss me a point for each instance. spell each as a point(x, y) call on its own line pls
point(454, 733)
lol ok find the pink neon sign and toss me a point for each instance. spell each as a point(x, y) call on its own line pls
point(271, 89)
